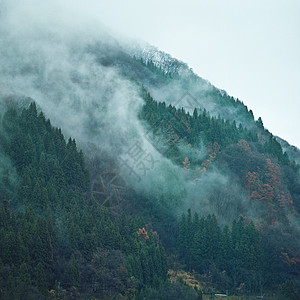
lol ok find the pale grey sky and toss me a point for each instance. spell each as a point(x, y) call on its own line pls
point(251, 48)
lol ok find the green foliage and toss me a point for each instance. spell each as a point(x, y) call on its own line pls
point(202, 244)
point(273, 148)
point(52, 230)
point(147, 264)
point(287, 291)
point(176, 126)
point(61, 234)
point(45, 162)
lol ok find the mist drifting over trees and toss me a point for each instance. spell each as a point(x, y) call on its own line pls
point(120, 167)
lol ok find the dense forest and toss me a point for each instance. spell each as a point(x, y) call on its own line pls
point(125, 175)
point(54, 237)
point(58, 242)
point(254, 250)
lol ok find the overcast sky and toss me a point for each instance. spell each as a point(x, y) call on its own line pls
point(251, 48)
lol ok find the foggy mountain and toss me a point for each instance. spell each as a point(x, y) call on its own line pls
point(153, 142)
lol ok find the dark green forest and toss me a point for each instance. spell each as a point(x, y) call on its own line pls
point(125, 175)
point(58, 242)
point(55, 238)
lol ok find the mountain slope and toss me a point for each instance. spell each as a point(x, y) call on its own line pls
point(156, 141)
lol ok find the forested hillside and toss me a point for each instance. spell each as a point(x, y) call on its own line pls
point(55, 238)
point(125, 175)
point(260, 247)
